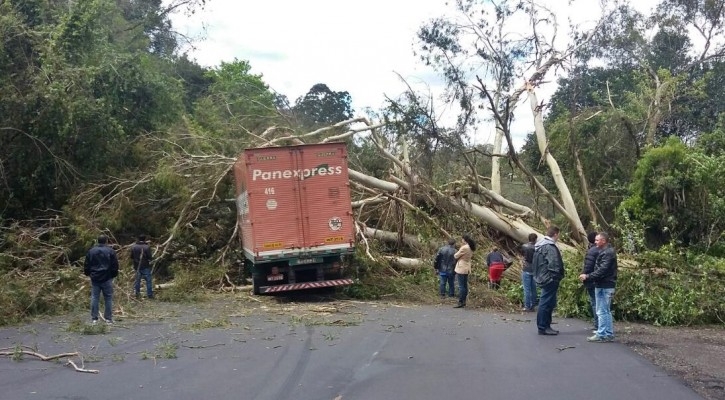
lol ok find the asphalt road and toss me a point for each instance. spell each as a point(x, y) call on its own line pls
point(336, 351)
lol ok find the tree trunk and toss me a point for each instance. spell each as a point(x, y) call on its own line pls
point(568, 202)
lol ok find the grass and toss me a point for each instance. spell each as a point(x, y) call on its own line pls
point(206, 323)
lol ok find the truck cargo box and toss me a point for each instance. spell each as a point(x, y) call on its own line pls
point(294, 201)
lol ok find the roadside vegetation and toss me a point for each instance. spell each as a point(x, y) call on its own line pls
point(108, 127)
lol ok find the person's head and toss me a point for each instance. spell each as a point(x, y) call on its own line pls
point(141, 238)
point(451, 242)
point(469, 241)
point(601, 240)
point(591, 236)
point(553, 232)
point(533, 237)
point(102, 239)
point(494, 249)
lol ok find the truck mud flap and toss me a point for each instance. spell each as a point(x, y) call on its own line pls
point(305, 285)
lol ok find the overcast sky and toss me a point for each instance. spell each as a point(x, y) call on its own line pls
point(354, 46)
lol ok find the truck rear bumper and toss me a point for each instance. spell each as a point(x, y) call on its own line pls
point(305, 285)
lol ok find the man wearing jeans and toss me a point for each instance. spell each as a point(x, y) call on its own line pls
point(548, 272)
point(590, 261)
point(604, 278)
point(527, 273)
point(101, 266)
point(141, 257)
point(444, 264)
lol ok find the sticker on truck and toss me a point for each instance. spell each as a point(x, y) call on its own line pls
point(272, 245)
point(334, 239)
point(335, 223)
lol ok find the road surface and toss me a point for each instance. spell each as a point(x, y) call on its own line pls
point(237, 348)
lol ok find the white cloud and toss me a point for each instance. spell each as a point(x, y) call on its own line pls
point(354, 46)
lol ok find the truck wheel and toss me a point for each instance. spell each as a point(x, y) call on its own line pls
point(257, 282)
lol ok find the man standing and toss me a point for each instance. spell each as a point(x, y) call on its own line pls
point(101, 266)
point(548, 272)
point(141, 257)
point(444, 266)
point(604, 277)
point(527, 273)
point(590, 261)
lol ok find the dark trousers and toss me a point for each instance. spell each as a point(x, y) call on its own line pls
point(593, 303)
point(462, 288)
point(547, 303)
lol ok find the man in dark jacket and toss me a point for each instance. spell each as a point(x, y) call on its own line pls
point(589, 261)
point(141, 257)
point(527, 273)
point(604, 277)
point(548, 272)
point(444, 265)
point(101, 266)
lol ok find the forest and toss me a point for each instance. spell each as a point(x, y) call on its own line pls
point(108, 127)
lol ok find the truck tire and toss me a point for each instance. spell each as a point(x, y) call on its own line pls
point(257, 282)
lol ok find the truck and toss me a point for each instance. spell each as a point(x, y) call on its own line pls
point(294, 216)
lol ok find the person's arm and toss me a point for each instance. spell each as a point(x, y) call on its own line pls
point(148, 255)
point(604, 262)
point(437, 262)
point(459, 253)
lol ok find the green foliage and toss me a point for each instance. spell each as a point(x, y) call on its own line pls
point(322, 106)
point(84, 328)
point(676, 193)
point(237, 102)
point(666, 287)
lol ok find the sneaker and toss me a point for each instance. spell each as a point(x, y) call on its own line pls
point(599, 339)
point(109, 322)
point(94, 322)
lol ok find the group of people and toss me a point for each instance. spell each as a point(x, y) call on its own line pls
point(543, 268)
point(102, 266)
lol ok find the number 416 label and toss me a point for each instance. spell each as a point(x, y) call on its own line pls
point(269, 190)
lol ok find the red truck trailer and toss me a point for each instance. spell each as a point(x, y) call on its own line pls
point(294, 215)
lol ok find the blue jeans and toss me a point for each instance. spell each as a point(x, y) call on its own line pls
point(530, 294)
point(547, 303)
point(604, 312)
point(449, 279)
point(462, 288)
point(593, 303)
point(144, 273)
point(107, 289)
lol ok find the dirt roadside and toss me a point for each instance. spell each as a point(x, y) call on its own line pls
point(694, 354)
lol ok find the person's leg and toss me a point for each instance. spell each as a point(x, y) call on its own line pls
point(525, 288)
point(547, 303)
point(462, 289)
point(137, 283)
point(593, 304)
point(527, 281)
point(95, 295)
point(149, 283)
point(604, 312)
point(107, 288)
point(442, 284)
point(451, 284)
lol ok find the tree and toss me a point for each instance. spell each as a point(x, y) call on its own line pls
point(322, 106)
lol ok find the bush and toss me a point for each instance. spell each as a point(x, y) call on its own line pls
point(666, 287)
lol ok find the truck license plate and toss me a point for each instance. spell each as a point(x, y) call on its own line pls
point(275, 277)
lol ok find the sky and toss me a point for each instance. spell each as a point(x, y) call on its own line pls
point(362, 47)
